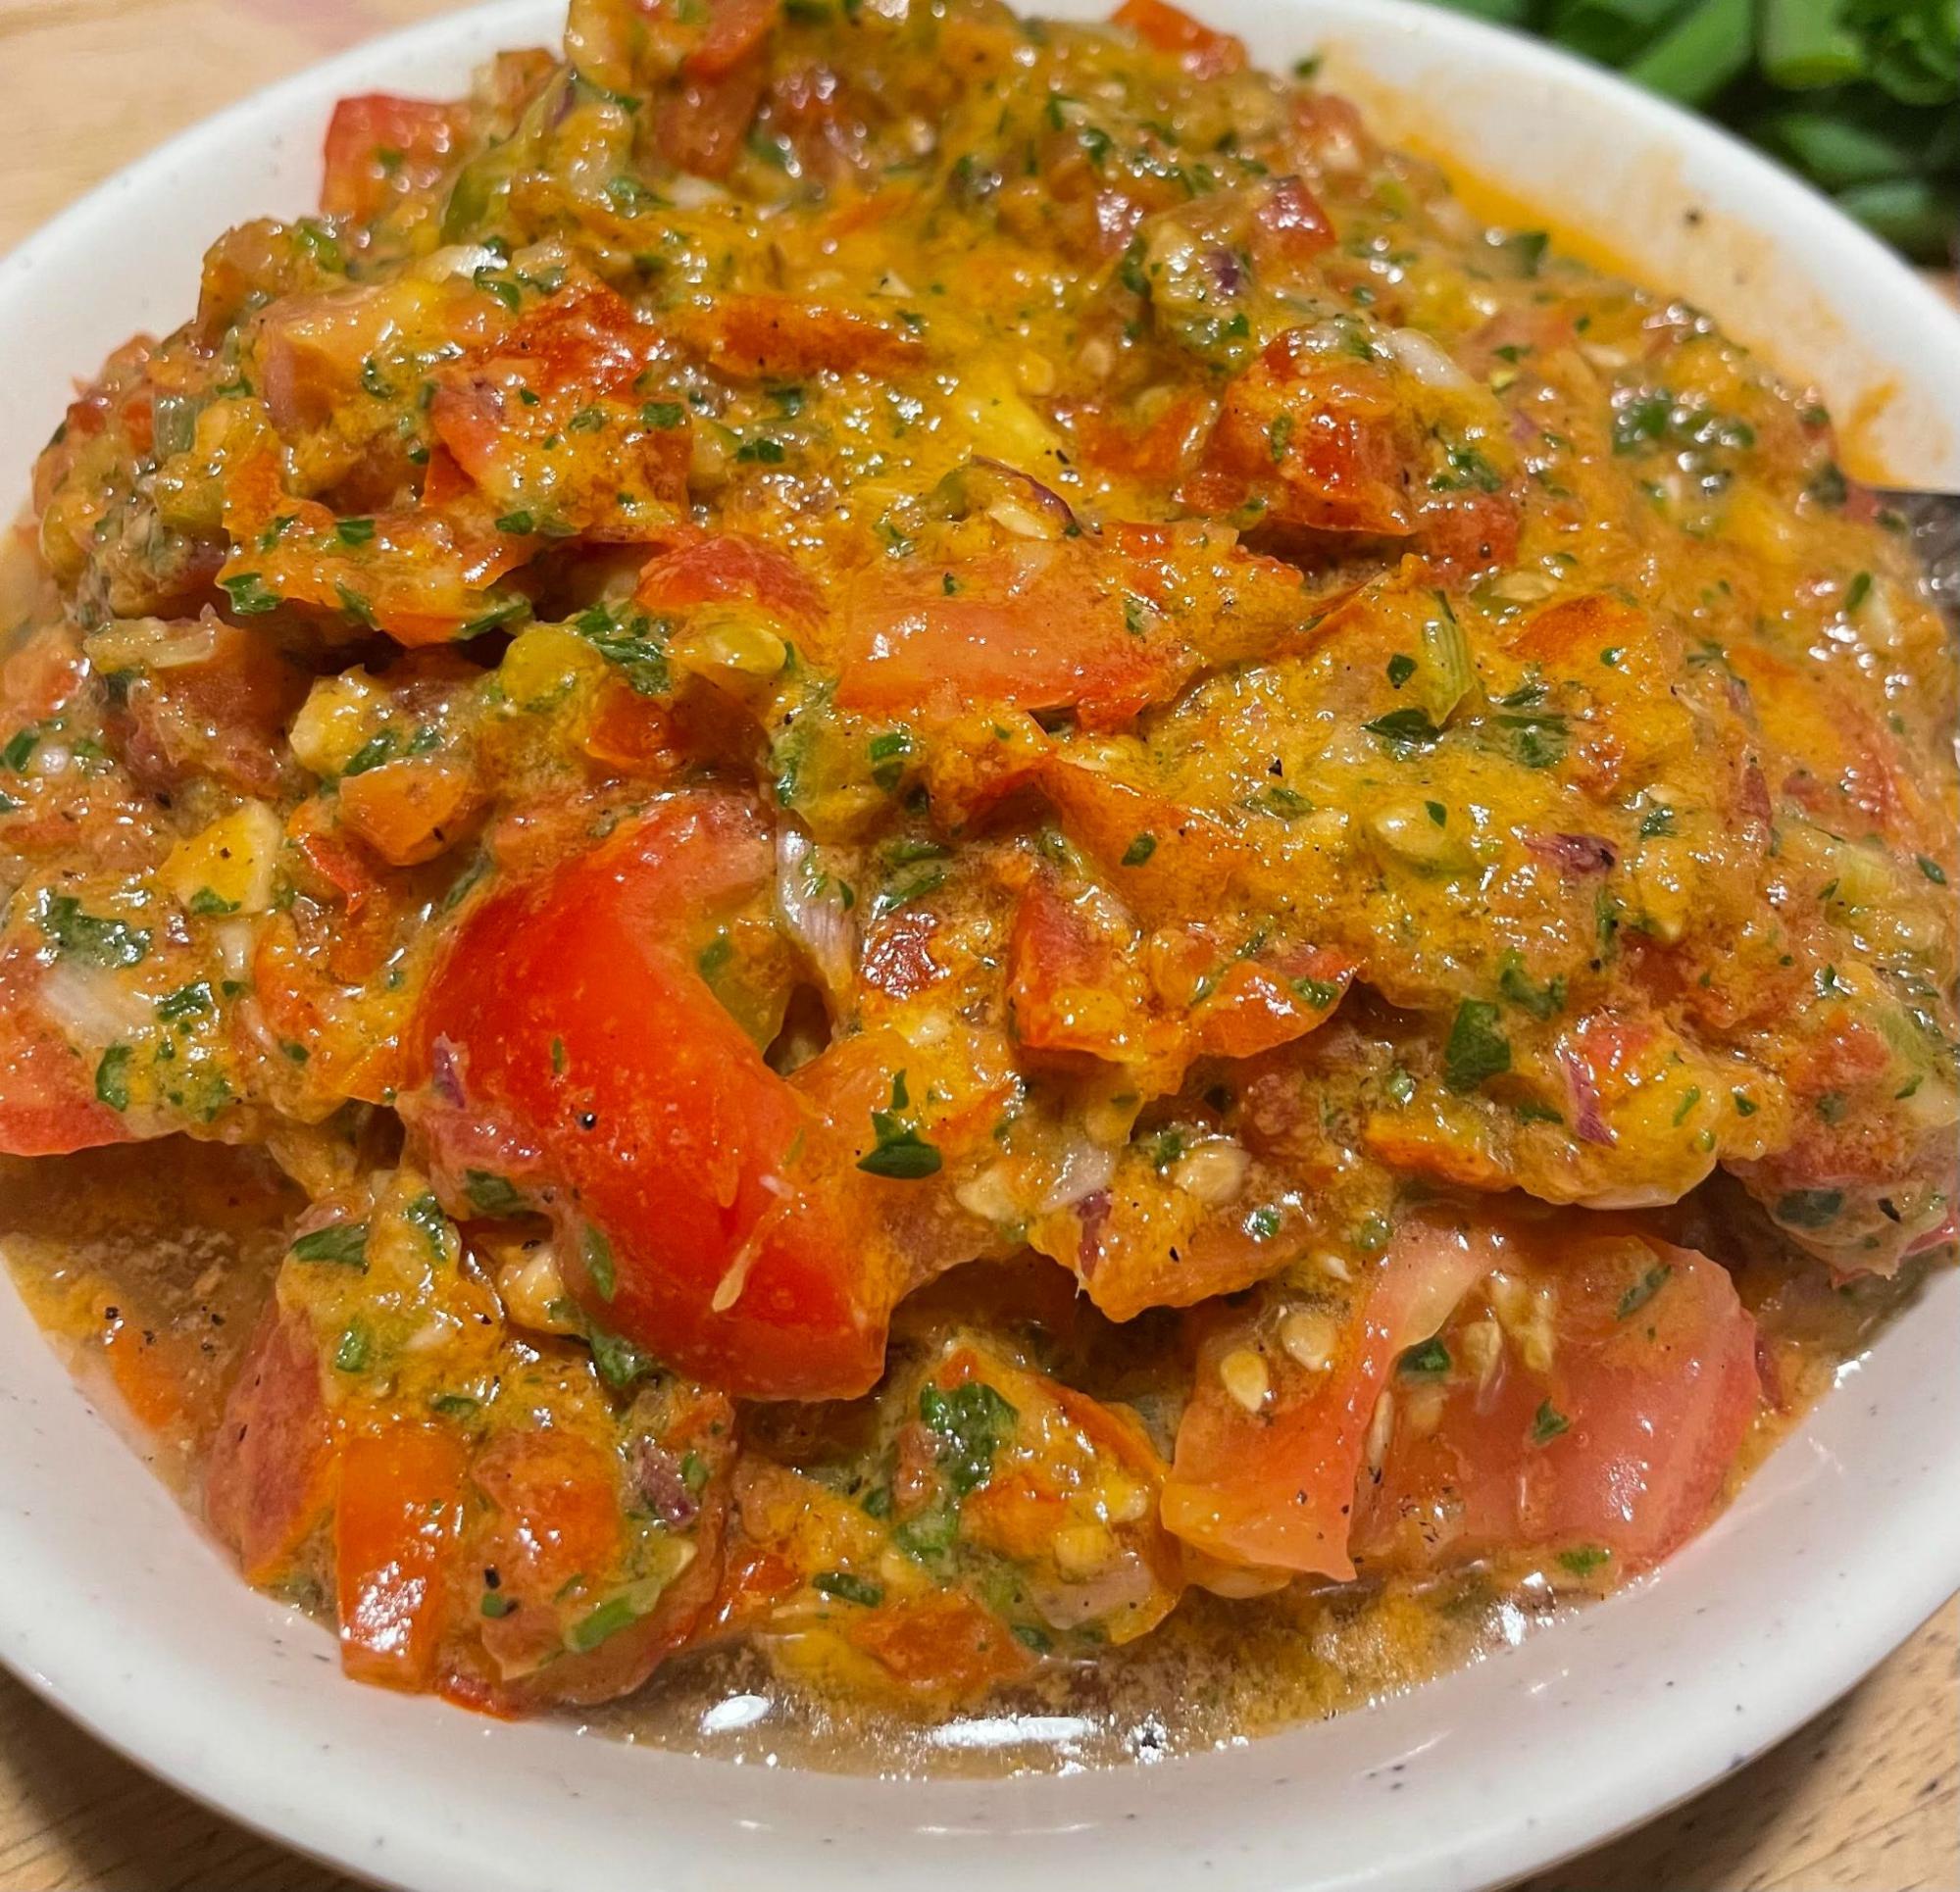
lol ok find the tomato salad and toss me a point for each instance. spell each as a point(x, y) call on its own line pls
point(987, 837)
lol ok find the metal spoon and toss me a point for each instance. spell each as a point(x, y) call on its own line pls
point(1933, 525)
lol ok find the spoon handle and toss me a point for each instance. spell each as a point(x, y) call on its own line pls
point(1933, 524)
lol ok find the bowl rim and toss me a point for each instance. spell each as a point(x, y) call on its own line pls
point(1910, 1567)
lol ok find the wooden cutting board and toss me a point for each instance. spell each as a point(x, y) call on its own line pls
point(1865, 1799)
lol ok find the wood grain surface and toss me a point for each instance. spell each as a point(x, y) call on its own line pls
point(1865, 1799)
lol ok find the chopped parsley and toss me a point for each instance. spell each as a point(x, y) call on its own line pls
point(900, 1153)
point(342, 1243)
point(972, 1422)
point(1477, 1049)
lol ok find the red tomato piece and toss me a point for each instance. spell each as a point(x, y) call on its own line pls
point(728, 566)
point(1316, 437)
point(736, 29)
point(1191, 857)
point(378, 146)
point(1035, 626)
point(941, 1646)
point(583, 1056)
point(47, 1099)
point(1074, 985)
point(1271, 1484)
point(224, 715)
point(1288, 227)
point(767, 335)
point(700, 127)
point(1621, 1444)
point(269, 1480)
point(396, 1526)
point(1467, 531)
point(1158, 451)
point(1259, 1003)
point(1202, 53)
point(555, 1533)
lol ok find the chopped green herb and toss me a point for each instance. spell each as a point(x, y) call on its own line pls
point(888, 753)
point(1547, 1423)
point(620, 1362)
point(597, 1252)
point(972, 1422)
point(493, 1195)
point(351, 1355)
point(1427, 1360)
point(1540, 1001)
point(248, 594)
point(425, 1215)
point(343, 1243)
point(112, 1077)
point(1404, 728)
point(607, 1620)
point(1477, 1048)
point(900, 1154)
point(85, 937)
point(186, 1002)
point(847, 1588)
point(1643, 1290)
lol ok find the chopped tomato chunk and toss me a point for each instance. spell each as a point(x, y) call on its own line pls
point(268, 1484)
point(1272, 1444)
point(1203, 52)
point(728, 567)
point(568, 1041)
point(395, 1529)
point(378, 147)
point(47, 1101)
point(1619, 1442)
point(1037, 626)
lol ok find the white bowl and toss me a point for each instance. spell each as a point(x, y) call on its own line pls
point(122, 1614)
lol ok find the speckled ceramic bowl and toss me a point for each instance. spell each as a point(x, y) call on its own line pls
point(115, 1606)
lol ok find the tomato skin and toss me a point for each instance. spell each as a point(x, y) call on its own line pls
point(1321, 440)
point(417, 134)
point(905, 647)
point(1202, 53)
point(1275, 1488)
point(947, 1646)
point(395, 1529)
point(736, 29)
point(702, 128)
point(1289, 226)
point(1648, 1404)
point(724, 568)
point(598, 1072)
point(46, 1106)
point(1075, 989)
point(269, 1480)
point(766, 336)
point(555, 1517)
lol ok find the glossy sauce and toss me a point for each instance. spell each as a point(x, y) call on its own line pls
point(149, 1276)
